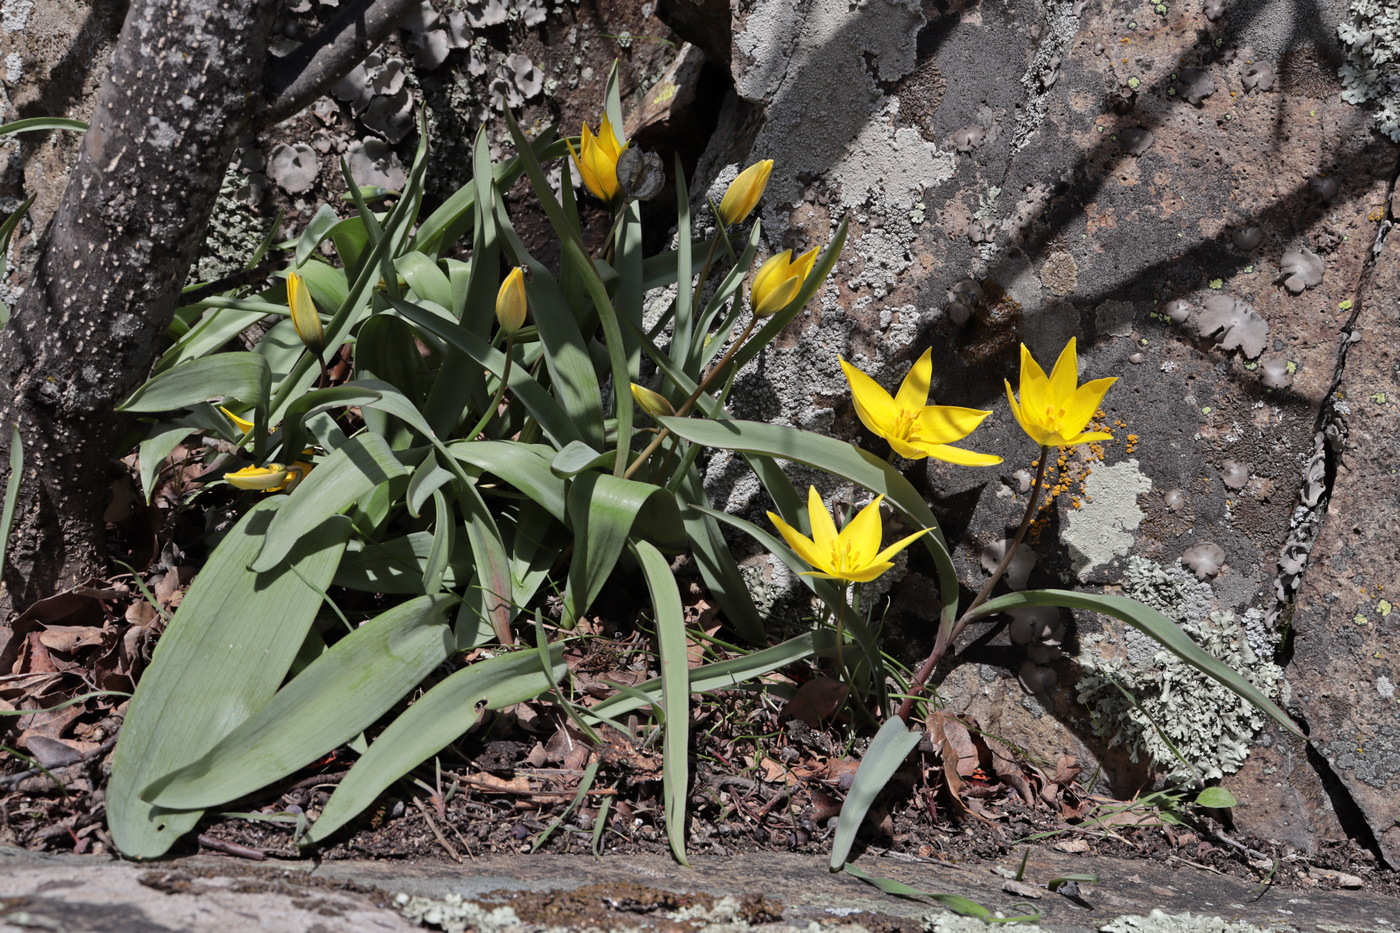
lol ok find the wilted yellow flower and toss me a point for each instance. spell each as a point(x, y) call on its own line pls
point(305, 318)
point(596, 159)
point(511, 302)
point(914, 428)
point(271, 478)
point(265, 478)
point(1054, 410)
point(778, 280)
point(854, 554)
point(653, 403)
point(743, 193)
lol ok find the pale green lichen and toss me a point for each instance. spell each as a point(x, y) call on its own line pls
point(1210, 726)
point(1372, 40)
point(234, 231)
point(1102, 528)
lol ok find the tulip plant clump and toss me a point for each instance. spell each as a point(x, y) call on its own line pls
point(436, 437)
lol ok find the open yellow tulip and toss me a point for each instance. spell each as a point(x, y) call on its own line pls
point(914, 428)
point(1055, 409)
point(853, 554)
point(596, 159)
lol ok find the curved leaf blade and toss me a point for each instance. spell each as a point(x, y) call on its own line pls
point(338, 696)
point(192, 695)
point(887, 751)
point(362, 464)
point(437, 719)
point(1155, 626)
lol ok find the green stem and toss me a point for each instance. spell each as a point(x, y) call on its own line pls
point(690, 402)
point(947, 636)
point(500, 391)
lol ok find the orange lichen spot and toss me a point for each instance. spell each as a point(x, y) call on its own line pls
point(1376, 214)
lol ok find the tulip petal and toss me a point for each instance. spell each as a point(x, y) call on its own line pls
point(913, 391)
point(1064, 378)
point(901, 544)
point(1087, 437)
point(874, 407)
point(959, 456)
point(862, 533)
point(1035, 432)
point(800, 543)
point(1034, 383)
point(942, 424)
point(863, 575)
point(823, 526)
point(1085, 402)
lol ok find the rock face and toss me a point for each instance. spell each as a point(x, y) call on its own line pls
point(1181, 187)
point(1190, 196)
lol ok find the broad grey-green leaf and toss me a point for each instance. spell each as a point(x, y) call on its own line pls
point(221, 658)
point(316, 230)
point(675, 689)
point(887, 751)
point(523, 466)
point(244, 376)
point(362, 464)
point(151, 453)
point(339, 695)
point(397, 565)
point(722, 675)
point(604, 510)
point(432, 723)
point(576, 457)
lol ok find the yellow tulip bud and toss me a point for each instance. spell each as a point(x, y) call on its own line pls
point(596, 159)
point(743, 192)
point(305, 318)
point(511, 303)
point(778, 280)
point(273, 476)
point(653, 403)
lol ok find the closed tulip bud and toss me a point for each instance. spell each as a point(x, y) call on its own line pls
point(653, 403)
point(511, 302)
point(744, 192)
point(778, 280)
point(305, 318)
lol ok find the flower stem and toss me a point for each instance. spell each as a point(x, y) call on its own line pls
point(947, 635)
point(500, 391)
point(690, 402)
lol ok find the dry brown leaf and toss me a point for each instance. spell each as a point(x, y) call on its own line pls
point(815, 701)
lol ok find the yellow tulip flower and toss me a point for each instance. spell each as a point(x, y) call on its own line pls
point(853, 554)
point(596, 159)
point(743, 192)
point(914, 428)
point(1054, 410)
point(305, 318)
point(511, 302)
point(778, 280)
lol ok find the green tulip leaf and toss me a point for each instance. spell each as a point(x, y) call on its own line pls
point(338, 696)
